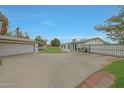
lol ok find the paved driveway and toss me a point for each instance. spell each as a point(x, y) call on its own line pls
point(49, 70)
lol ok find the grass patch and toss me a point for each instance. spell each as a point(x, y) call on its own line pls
point(52, 50)
point(117, 69)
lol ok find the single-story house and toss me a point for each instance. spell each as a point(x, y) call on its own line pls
point(82, 45)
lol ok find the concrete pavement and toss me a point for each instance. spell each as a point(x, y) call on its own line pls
point(64, 70)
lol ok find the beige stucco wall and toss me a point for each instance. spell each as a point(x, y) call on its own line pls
point(66, 47)
point(12, 46)
point(80, 45)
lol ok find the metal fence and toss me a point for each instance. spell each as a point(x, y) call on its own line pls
point(107, 49)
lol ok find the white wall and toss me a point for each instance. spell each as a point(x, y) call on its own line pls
point(36, 47)
point(66, 47)
point(12, 46)
point(80, 45)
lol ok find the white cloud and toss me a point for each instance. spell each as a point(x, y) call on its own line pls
point(19, 17)
point(47, 23)
point(36, 15)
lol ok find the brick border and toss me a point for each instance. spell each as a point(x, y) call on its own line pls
point(100, 79)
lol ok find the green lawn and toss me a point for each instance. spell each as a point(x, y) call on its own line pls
point(117, 69)
point(52, 50)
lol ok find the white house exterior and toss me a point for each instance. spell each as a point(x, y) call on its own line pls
point(13, 46)
point(80, 45)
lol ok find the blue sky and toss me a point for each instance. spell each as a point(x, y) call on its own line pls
point(63, 22)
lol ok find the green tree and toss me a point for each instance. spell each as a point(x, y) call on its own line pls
point(114, 27)
point(21, 34)
point(55, 42)
point(41, 41)
point(26, 35)
point(8, 34)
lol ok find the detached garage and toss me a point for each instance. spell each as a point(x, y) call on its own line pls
point(13, 45)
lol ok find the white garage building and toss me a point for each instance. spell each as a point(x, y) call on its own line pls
point(13, 46)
